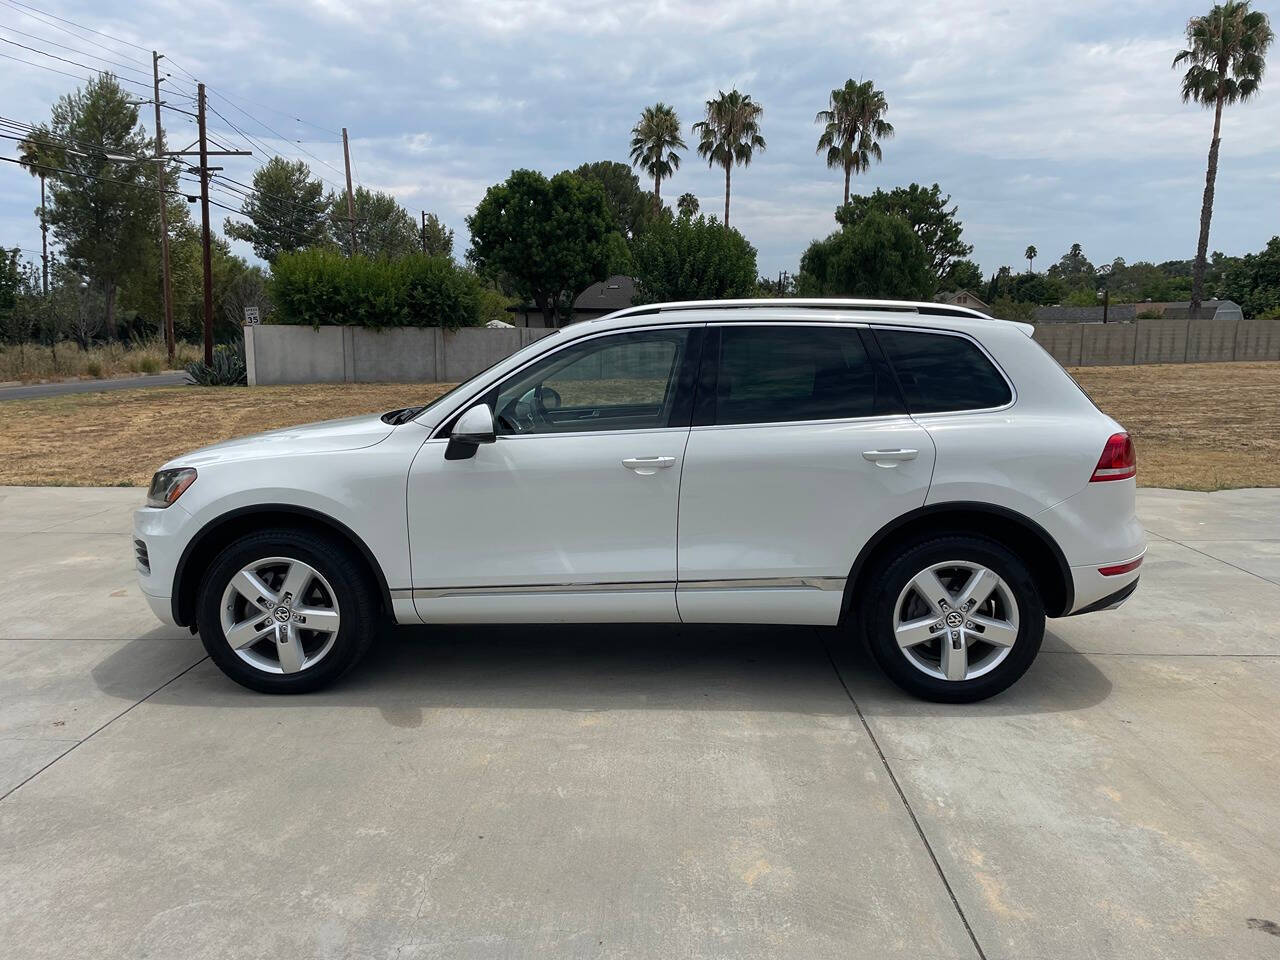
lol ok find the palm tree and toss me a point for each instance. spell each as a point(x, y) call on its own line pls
point(854, 126)
point(687, 205)
point(1226, 56)
point(1031, 253)
point(729, 135)
point(654, 142)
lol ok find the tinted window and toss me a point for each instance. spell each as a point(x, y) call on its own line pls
point(940, 373)
point(623, 382)
point(773, 374)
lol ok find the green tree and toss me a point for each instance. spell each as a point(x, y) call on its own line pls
point(286, 212)
point(1075, 270)
point(687, 205)
point(962, 275)
point(1253, 281)
point(1006, 308)
point(437, 239)
point(101, 192)
point(927, 212)
point(1030, 254)
point(632, 207)
point(1225, 56)
point(877, 255)
point(854, 126)
point(383, 227)
point(1034, 288)
point(654, 142)
point(729, 135)
point(692, 258)
point(546, 240)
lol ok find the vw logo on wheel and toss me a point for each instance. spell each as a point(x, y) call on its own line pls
point(955, 618)
point(282, 614)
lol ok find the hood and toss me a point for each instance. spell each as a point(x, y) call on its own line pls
point(328, 436)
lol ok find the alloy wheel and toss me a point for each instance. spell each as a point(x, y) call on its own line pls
point(280, 615)
point(956, 620)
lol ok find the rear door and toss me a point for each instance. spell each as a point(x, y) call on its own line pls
point(800, 451)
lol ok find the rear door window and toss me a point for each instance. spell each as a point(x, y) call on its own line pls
point(775, 374)
point(941, 373)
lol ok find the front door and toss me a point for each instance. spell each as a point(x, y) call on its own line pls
point(800, 451)
point(570, 515)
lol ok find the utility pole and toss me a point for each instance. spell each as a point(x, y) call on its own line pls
point(351, 203)
point(44, 239)
point(166, 290)
point(206, 254)
point(424, 229)
point(204, 153)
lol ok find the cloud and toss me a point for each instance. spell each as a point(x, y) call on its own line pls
point(1048, 123)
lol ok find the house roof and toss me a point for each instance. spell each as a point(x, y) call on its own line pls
point(616, 293)
point(609, 295)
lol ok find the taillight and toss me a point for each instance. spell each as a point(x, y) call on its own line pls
point(1119, 461)
point(1118, 568)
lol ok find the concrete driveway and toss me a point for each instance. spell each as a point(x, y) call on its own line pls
point(642, 791)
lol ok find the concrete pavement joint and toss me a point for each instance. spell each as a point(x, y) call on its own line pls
point(884, 761)
point(104, 726)
point(1209, 556)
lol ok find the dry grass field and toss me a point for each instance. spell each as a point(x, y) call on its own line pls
point(1197, 426)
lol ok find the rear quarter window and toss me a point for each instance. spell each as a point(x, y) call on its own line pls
point(941, 373)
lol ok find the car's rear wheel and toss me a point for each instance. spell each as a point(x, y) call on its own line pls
point(955, 619)
point(286, 611)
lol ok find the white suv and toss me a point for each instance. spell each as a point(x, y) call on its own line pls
point(922, 475)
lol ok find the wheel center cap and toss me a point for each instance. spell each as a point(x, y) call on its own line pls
point(282, 614)
point(954, 619)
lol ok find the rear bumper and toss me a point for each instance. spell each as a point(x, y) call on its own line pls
point(1109, 602)
point(1095, 591)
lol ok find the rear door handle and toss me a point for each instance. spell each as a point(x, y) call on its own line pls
point(889, 457)
point(648, 466)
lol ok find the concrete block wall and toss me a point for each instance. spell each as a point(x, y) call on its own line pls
point(279, 353)
point(1108, 344)
point(288, 354)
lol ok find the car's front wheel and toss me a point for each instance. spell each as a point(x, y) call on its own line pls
point(955, 619)
point(286, 611)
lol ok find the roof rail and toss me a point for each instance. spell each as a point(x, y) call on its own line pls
point(888, 306)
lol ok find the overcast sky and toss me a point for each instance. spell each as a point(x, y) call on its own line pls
point(1048, 123)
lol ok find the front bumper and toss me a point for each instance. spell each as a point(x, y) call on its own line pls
point(162, 535)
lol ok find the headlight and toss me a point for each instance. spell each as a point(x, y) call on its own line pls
point(168, 485)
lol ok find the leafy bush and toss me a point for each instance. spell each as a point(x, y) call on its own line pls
point(320, 286)
point(94, 369)
point(227, 370)
point(878, 255)
point(692, 259)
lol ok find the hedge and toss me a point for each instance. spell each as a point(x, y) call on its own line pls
point(318, 287)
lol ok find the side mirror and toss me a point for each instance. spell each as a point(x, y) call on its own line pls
point(472, 429)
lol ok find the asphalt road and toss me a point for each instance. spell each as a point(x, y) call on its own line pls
point(639, 791)
point(171, 379)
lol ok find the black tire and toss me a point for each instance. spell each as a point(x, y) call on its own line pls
point(888, 584)
point(355, 596)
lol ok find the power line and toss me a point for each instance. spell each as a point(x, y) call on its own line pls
point(25, 7)
point(74, 63)
point(87, 176)
point(49, 138)
point(279, 136)
point(63, 46)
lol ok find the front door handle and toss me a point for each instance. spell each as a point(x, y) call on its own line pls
point(889, 457)
point(648, 466)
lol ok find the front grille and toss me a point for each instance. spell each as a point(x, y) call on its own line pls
point(140, 554)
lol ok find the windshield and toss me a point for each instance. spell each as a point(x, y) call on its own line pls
point(403, 416)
